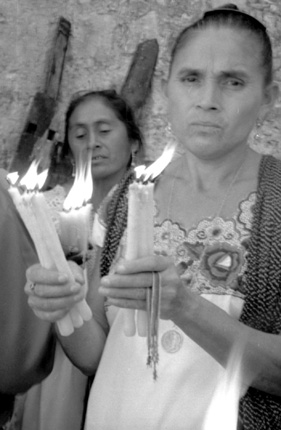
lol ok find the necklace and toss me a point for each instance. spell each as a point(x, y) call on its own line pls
point(225, 197)
point(172, 339)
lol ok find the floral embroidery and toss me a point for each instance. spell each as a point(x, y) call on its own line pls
point(211, 258)
point(221, 264)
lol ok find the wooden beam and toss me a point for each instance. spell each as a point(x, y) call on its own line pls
point(44, 103)
point(137, 84)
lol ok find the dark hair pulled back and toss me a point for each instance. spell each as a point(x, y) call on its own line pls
point(230, 16)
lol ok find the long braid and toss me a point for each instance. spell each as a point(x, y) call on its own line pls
point(262, 308)
point(116, 222)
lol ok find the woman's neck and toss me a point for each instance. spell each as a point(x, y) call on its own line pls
point(102, 187)
point(210, 175)
point(100, 192)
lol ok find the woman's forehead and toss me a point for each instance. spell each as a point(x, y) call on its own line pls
point(93, 108)
point(218, 47)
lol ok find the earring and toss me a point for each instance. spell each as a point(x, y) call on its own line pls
point(169, 132)
point(73, 168)
point(257, 136)
point(168, 129)
point(133, 159)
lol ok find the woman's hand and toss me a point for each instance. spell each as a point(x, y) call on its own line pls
point(51, 294)
point(126, 288)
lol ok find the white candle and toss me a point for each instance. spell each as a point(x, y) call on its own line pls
point(53, 244)
point(22, 203)
point(75, 229)
point(76, 214)
point(34, 212)
point(140, 226)
point(139, 242)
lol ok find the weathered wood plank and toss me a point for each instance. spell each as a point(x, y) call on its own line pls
point(137, 84)
point(44, 103)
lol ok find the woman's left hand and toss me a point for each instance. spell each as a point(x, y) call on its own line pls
point(52, 294)
point(126, 288)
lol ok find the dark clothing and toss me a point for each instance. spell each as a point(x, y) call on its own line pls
point(26, 343)
point(262, 309)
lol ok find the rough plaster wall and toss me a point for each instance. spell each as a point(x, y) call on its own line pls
point(105, 34)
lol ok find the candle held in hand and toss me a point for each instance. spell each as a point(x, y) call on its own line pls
point(76, 214)
point(139, 241)
point(34, 212)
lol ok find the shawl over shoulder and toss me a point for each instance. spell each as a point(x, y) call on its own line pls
point(262, 309)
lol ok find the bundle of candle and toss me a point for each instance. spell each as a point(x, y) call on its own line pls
point(76, 214)
point(34, 211)
point(140, 244)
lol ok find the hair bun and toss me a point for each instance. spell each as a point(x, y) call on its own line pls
point(229, 6)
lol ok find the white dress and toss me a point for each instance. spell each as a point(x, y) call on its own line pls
point(124, 395)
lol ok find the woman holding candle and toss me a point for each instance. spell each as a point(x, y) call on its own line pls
point(93, 123)
point(103, 123)
point(218, 228)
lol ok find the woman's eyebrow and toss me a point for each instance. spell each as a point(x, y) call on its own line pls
point(190, 71)
point(238, 73)
point(83, 124)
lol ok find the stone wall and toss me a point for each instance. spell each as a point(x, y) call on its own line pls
point(104, 37)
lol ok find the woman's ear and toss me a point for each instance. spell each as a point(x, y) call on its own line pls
point(164, 85)
point(136, 152)
point(135, 147)
point(271, 94)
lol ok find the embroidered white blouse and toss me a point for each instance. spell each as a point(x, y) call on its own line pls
point(124, 395)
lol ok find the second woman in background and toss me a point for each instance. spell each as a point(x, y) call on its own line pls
point(103, 122)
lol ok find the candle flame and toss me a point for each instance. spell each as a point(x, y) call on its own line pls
point(82, 188)
point(31, 180)
point(154, 170)
point(12, 178)
point(223, 410)
point(139, 171)
point(41, 178)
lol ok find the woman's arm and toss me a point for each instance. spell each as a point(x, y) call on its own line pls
point(205, 323)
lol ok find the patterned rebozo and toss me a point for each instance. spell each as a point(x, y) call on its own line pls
point(262, 308)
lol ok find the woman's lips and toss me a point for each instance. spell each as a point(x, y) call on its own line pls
point(206, 124)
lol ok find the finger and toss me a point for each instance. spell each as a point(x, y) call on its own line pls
point(155, 263)
point(39, 274)
point(124, 293)
point(46, 291)
point(49, 291)
point(52, 305)
point(140, 280)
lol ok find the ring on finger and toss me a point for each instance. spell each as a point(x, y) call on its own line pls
point(32, 286)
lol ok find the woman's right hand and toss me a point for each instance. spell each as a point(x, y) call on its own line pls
point(51, 294)
point(126, 287)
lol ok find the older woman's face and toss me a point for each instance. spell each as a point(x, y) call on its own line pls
point(95, 125)
point(216, 91)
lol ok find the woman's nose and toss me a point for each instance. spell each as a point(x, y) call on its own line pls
point(93, 141)
point(209, 97)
